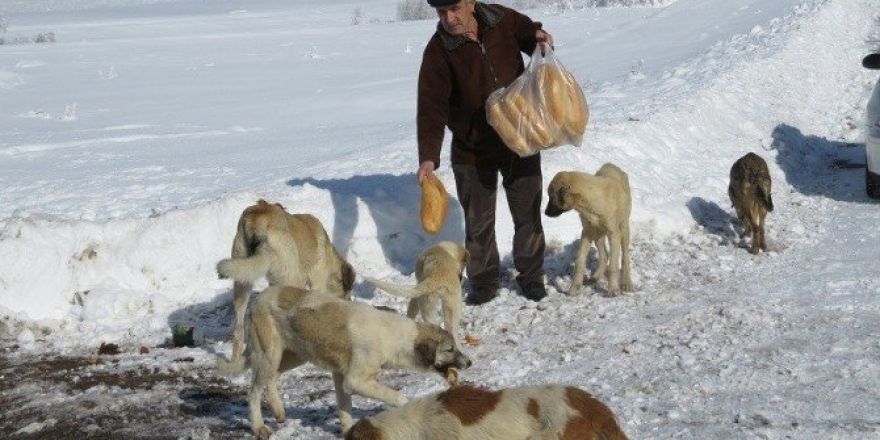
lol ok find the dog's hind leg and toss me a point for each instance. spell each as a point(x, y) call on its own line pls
point(761, 231)
point(241, 292)
point(602, 252)
point(343, 403)
point(580, 264)
point(614, 264)
point(626, 283)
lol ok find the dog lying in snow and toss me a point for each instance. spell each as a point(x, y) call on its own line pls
point(467, 413)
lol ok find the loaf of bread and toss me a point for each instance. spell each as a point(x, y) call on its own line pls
point(565, 101)
point(435, 204)
point(507, 130)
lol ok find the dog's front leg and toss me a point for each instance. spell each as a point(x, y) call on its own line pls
point(368, 386)
point(580, 265)
point(343, 403)
point(254, 395)
point(452, 316)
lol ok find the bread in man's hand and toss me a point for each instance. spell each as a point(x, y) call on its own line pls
point(435, 204)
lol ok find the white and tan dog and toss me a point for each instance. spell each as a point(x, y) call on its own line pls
point(438, 272)
point(603, 202)
point(289, 250)
point(289, 326)
point(467, 413)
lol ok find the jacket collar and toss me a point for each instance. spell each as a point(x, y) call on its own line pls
point(487, 17)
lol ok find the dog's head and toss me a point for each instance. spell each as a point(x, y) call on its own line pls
point(558, 195)
point(436, 349)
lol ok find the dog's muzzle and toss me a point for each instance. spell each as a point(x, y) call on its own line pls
point(553, 210)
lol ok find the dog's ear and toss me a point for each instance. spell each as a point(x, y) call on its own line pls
point(426, 350)
point(262, 202)
point(348, 277)
point(562, 196)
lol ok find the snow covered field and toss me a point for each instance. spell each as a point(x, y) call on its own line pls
point(129, 146)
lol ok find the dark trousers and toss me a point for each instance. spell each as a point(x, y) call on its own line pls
point(477, 187)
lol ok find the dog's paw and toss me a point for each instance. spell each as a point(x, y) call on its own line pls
point(263, 433)
point(574, 291)
point(628, 286)
point(612, 291)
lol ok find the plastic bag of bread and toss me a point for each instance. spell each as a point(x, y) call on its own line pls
point(435, 203)
point(543, 108)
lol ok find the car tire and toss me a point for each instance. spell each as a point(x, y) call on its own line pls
point(872, 184)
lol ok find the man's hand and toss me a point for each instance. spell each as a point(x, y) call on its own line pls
point(545, 40)
point(426, 169)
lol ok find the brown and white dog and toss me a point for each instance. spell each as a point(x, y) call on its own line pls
point(749, 192)
point(289, 326)
point(603, 202)
point(467, 413)
point(438, 271)
point(287, 249)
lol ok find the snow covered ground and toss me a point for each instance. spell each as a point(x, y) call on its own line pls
point(129, 146)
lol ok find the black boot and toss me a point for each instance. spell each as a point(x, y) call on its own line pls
point(534, 291)
point(481, 295)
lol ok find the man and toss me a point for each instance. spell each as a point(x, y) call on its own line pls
point(475, 51)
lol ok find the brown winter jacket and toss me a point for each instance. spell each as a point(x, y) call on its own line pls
point(456, 77)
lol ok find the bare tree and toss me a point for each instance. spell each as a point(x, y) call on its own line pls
point(357, 16)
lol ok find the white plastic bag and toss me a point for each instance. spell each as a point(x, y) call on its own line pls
point(543, 108)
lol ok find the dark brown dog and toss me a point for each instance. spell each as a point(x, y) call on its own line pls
point(749, 192)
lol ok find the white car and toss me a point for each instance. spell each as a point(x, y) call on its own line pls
point(872, 140)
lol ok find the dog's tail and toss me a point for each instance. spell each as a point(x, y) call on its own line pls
point(401, 291)
point(764, 197)
point(246, 269)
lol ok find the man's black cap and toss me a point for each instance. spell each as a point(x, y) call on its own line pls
point(440, 3)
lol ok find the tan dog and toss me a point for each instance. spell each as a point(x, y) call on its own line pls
point(466, 413)
point(604, 203)
point(749, 192)
point(438, 271)
point(289, 326)
point(290, 250)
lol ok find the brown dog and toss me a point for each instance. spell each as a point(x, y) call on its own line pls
point(467, 413)
point(603, 202)
point(749, 192)
point(289, 250)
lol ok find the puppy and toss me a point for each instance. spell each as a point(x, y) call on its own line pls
point(439, 272)
point(749, 192)
point(291, 250)
point(468, 413)
point(289, 326)
point(604, 203)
